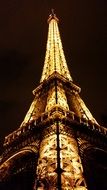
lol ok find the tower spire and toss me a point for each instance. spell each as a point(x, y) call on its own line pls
point(54, 58)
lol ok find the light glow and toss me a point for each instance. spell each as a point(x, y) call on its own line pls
point(70, 163)
point(54, 58)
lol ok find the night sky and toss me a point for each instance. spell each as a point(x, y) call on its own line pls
point(23, 36)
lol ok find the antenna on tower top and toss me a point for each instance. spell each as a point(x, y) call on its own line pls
point(52, 10)
point(52, 16)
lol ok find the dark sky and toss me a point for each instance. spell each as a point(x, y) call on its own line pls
point(23, 35)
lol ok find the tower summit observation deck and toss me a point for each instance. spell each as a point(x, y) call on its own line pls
point(57, 132)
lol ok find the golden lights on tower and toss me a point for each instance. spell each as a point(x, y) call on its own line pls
point(53, 128)
point(54, 58)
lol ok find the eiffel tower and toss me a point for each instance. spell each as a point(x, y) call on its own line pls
point(59, 144)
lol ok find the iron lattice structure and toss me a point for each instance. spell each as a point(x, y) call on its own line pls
point(58, 131)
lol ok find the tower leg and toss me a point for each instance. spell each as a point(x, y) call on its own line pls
point(59, 164)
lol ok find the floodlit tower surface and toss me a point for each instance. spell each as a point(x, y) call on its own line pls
point(57, 130)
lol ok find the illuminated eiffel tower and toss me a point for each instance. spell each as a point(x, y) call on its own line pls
point(52, 147)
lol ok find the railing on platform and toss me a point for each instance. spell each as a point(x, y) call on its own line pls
point(55, 112)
